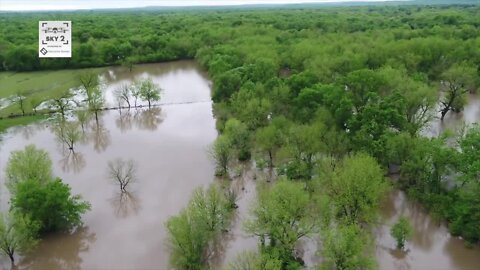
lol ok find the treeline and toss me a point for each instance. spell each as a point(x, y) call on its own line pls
point(418, 37)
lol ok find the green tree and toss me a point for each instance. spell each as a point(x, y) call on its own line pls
point(18, 234)
point(239, 138)
point(192, 231)
point(459, 79)
point(281, 216)
point(346, 248)
point(469, 157)
point(248, 260)
point(268, 140)
point(401, 231)
point(149, 91)
point(68, 133)
point(222, 154)
point(28, 164)
point(92, 88)
point(51, 204)
point(63, 103)
point(356, 188)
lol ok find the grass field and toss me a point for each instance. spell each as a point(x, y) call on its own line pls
point(41, 85)
point(19, 121)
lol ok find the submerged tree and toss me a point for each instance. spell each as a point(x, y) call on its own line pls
point(401, 231)
point(346, 248)
point(356, 189)
point(82, 117)
point(222, 154)
point(62, 103)
point(281, 216)
point(122, 172)
point(51, 204)
point(149, 91)
point(68, 133)
point(192, 231)
point(93, 91)
point(123, 94)
point(239, 138)
point(28, 164)
point(248, 260)
point(459, 79)
point(18, 234)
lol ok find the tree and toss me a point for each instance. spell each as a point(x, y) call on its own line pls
point(213, 207)
point(123, 93)
point(68, 133)
point(281, 216)
point(17, 234)
point(222, 154)
point(93, 91)
point(191, 231)
point(82, 117)
point(188, 240)
point(459, 79)
point(35, 103)
point(28, 164)
point(303, 145)
point(239, 138)
point(62, 103)
point(401, 231)
point(51, 204)
point(356, 188)
point(469, 157)
point(346, 248)
point(248, 260)
point(268, 140)
point(20, 98)
point(149, 91)
point(135, 90)
point(123, 172)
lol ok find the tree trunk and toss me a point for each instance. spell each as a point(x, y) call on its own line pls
point(270, 155)
point(149, 105)
point(12, 259)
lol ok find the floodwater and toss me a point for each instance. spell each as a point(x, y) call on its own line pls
point(455, 121)
point(431, 247)
point(169, 144)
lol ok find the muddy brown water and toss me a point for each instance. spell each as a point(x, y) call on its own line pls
point(170, 145)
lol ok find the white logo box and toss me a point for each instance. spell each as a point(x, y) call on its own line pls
point(54, 39)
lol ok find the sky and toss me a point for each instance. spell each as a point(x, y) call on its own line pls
point(95, 4)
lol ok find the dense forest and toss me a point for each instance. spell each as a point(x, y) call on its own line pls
point(330, 99)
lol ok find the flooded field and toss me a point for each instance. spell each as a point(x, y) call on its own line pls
point(170, 145)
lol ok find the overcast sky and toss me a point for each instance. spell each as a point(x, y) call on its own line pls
point(91, 4)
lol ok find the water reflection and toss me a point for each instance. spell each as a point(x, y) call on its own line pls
point(147, 119)
point(72, 161)
point(64, 255)
point(125, 204)
point(99, 136)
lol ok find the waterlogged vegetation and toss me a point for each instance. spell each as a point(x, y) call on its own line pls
point(324, 103)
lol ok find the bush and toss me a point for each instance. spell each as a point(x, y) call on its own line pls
point(50, 204)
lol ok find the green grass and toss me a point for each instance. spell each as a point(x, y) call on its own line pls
point(19, 121)
point(42, 85)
